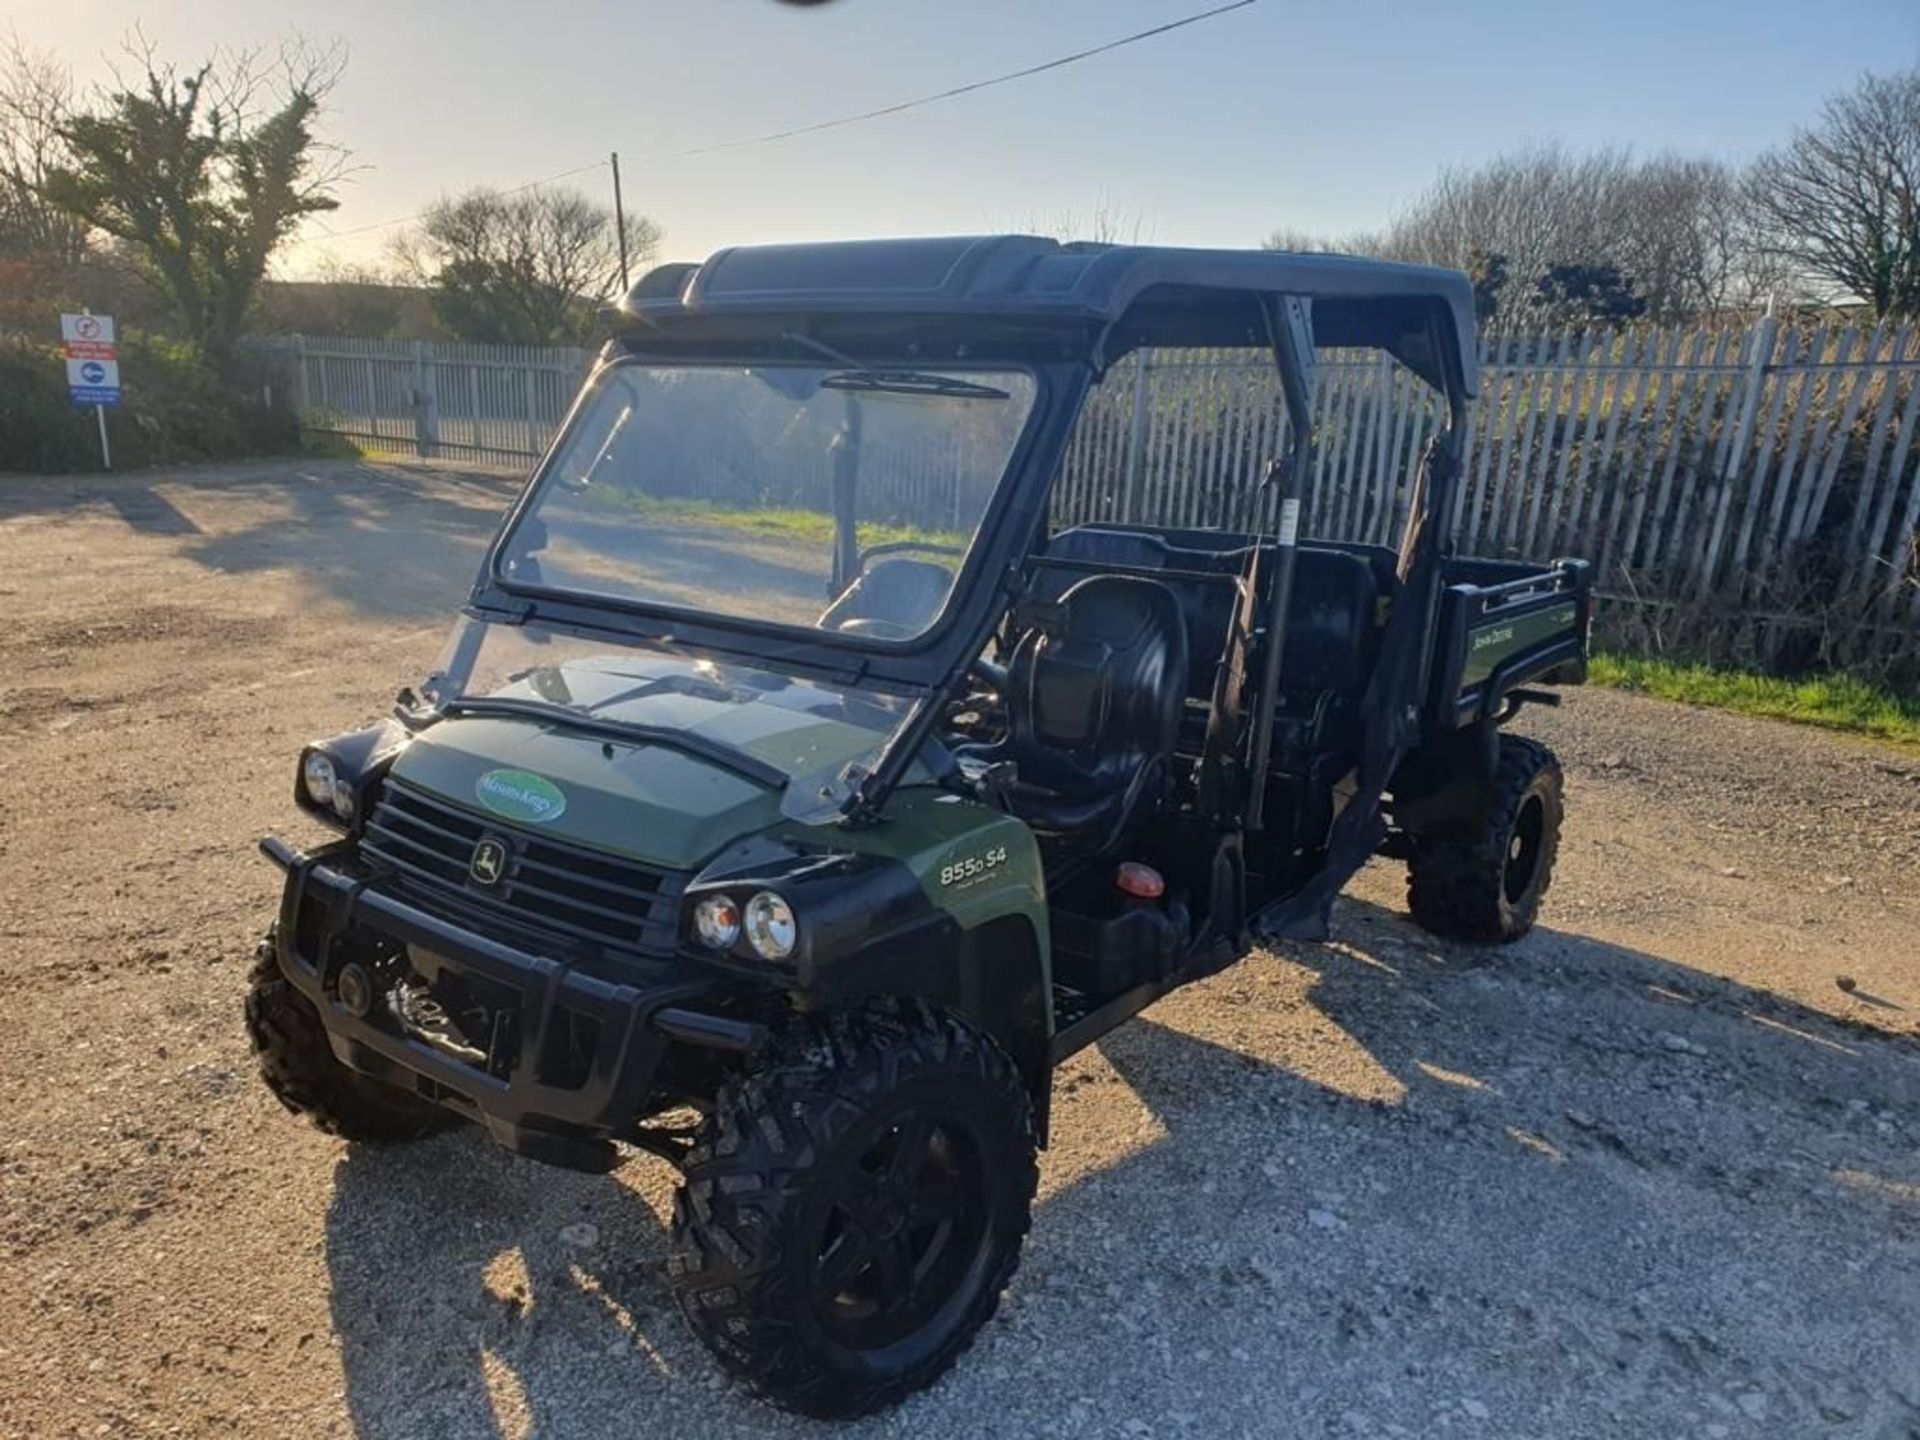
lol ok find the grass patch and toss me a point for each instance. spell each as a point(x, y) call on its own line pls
point(326, 445)
point(772, 522)
point(1833, 702)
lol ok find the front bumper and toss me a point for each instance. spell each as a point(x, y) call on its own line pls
point(535, 1095)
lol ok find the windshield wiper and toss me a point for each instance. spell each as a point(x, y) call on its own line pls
point(911, 382)
point(750, 767)
point(861, 376)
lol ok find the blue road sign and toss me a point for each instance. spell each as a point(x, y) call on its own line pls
point(93, 382)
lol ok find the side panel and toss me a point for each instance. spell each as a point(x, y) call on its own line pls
point(943, 898)
point(983, 947)
point(1501, 626)
point(1502, 641)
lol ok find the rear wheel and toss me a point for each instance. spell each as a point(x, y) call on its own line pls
point(1483, 879)
point(854, 1209)
point(298, 1066)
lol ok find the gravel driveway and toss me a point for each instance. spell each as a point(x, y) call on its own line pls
point(1655, 1171)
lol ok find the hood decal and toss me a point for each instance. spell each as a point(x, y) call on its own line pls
point(520, 795)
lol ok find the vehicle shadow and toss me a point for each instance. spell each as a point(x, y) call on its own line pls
point(1566, 1184)
point(388, 540)
point(384, 539)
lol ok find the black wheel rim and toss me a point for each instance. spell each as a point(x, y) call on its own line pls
point(1523, 850)
point(903, 1232)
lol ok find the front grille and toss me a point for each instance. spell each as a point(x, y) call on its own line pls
point(546, 884)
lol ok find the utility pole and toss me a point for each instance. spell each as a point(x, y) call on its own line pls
point(620, 223)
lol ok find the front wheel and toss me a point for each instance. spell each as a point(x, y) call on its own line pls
point(1483, 879)
point(298, 1066)
point(853, 1210)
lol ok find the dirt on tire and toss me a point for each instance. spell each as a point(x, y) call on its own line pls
point(1652, 1170)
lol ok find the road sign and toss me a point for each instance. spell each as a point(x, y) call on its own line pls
point(93, 382)
point(87, 329)
point(93, 369)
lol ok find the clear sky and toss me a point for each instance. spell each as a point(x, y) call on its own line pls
point(1313, 114)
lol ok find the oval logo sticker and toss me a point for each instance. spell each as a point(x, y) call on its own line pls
point(520, 795)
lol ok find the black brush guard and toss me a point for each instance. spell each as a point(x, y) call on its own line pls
point(532, 1092)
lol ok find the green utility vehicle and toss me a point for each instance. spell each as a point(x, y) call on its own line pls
point(795, 792)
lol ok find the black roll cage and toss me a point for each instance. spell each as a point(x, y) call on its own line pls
point(1066, 354)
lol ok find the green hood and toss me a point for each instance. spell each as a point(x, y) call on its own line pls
point(653, 802)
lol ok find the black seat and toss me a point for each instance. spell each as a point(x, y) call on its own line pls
point(1094, 700)
point(895, 600)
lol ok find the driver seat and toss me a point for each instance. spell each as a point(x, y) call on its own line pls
point(895, 600)
point(1094, 701)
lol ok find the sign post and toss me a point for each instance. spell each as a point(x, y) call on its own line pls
point(93, 369)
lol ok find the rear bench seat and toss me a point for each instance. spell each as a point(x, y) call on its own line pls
point(1331, 632)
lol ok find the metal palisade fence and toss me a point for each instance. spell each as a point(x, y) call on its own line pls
point(1766, 472)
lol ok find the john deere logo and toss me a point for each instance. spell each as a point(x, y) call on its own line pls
point(520, 795)
point(489, 861)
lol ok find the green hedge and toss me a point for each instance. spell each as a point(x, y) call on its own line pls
point(172, 409)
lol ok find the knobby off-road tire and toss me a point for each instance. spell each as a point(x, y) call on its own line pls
point(853, 1209)
point(290, 1046)
point(1483, 880)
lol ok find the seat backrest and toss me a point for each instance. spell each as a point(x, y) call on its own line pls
point(901, 594)
point(1097, 693)
point(1331, 637)
point(1331, 634)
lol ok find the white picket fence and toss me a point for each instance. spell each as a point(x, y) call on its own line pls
point(1774, 467)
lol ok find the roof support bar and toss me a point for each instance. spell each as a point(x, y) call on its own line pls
point(1290, 329)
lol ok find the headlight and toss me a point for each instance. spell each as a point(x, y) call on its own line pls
point(770, 926)
point(716, 920)
point(317, 774)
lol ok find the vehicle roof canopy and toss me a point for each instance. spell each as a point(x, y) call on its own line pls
point(1130, 295)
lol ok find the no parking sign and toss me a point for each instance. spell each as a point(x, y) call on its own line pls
point(93, 368)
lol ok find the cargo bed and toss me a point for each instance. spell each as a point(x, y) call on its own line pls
point(1505, 624)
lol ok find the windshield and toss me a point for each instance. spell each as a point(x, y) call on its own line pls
point(831, 497)
point(813, 741)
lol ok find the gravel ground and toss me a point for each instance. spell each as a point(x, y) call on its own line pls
point(1651, 1172)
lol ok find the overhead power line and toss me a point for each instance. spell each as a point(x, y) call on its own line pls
point(959, 90)
point(516, 190)
point(838, 122)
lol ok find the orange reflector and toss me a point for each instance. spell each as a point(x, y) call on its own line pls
point(1143, 882)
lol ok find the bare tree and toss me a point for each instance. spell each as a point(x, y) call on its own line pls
point(36, 96)
point(1669, 224)
point(202, 175)
point(1840, 201)
point(524, 269)
point(1107, 222)
point(1308, 242)
point(1681, 242)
